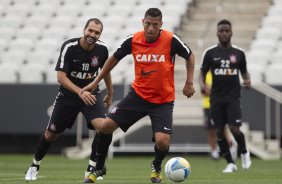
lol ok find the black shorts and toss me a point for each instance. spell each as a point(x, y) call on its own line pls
point(226, 112)
point(132, 108)
point(207, 119)
point(67, 107)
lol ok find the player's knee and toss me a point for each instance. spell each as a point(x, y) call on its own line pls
point(49, 136)
point(162, 141)
point(235, 130)
point(220, 133)
point(108, 126)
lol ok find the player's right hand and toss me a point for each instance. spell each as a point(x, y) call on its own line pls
point(205, 90)
point(87, 97)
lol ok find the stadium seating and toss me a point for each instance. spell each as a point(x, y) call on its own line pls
point(265, 49)
point(35, 29)
point(32, 31)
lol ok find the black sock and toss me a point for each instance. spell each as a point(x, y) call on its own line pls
point(94, 147)
point(240, 138)
point(103, 143)
point(42, 148)
point(159, 157)
point(224, 150)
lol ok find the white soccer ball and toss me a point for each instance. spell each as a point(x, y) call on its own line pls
point(177, 169)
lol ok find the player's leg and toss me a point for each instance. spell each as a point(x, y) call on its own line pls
point(161, 118)
point(219, 118)
point(211, 134)
point(94, 115)
point(233, 147)
point(43, 146)
point(235, 122)
point(104, 140)
point(63, 116)
point(161, 149)
point(126, 113)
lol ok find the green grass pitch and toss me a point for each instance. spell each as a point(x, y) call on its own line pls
point(136, 170)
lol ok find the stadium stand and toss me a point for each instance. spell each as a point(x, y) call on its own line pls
point(33, 26)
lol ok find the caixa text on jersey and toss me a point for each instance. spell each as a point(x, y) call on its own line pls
point(83, 75)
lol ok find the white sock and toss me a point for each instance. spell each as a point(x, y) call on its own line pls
point(36, 162)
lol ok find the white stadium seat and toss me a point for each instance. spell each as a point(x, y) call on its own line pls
point(71, 10)
point(11, 21)
point(256, 71)
point(42, 57)
point(8, 73)
point(272, 21)
point(22, 44)
point(265, 45)
point(271, 33)
point(273, 74)
point(63, 21)
point(39, 21)
point(258, 57)
point(29, 3)
point(96, 10)
point(16, 57)
point(21, 10)
point(29, 32)
point(3, 45)
point(31, 73)
point(276, 57)
point(47, 44)
point(46, 10)
point(55, 32)
point(7, 33)
point(51, 74)
point(123, 10)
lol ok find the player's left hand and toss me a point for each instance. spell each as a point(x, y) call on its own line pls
point(188, 90)
point(87, 97)
point(247, 83)
point(108, 100)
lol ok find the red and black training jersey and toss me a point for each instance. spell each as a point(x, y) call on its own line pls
point(225, 65)
point(81, 66)
point(154, 64)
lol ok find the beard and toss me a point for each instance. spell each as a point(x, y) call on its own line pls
point(90, 40)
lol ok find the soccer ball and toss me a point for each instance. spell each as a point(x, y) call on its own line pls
point(177, 169)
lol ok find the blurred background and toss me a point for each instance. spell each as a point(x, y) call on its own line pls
point(32, 32)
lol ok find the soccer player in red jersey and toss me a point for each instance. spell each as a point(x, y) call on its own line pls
point(152, 92)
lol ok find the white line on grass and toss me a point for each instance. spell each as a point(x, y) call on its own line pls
point(19, 176)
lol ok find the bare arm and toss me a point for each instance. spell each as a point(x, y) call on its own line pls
point(109, 65)
point(109, 96)
point(247, 79)
point(188, 89)
point(202, 81)
point(87, 97)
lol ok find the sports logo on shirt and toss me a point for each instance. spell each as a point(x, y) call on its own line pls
point(94, 61)
point(143, 73)
point(232, 58)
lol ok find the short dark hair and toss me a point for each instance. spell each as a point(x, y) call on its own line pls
point(224, 21)
point(154, 12)
point(96, 20)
